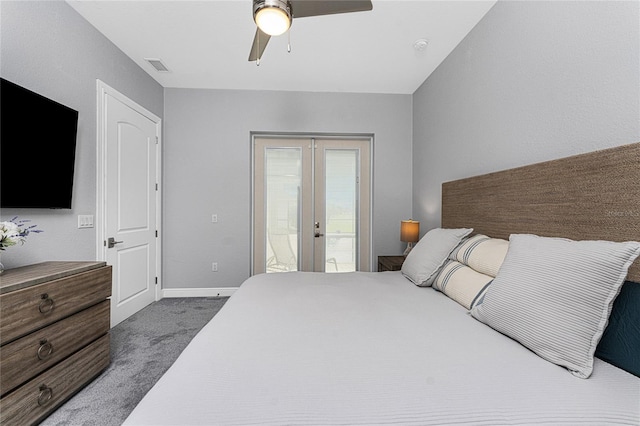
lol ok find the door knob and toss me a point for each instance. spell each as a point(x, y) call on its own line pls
point(112, 242)
point(318, 235)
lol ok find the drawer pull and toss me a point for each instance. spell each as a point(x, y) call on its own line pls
point(45, 349)
point(46, 393)
point(46, 304)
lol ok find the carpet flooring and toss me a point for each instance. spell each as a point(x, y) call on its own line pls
point(143, 347)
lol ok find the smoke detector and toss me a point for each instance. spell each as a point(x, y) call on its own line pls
point(420, 44)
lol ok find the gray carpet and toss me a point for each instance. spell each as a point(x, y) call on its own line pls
point(143, 347)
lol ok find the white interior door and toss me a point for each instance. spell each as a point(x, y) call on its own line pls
point(311, 204)
point(130, 202)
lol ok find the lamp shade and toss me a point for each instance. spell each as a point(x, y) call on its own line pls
point(409, 231)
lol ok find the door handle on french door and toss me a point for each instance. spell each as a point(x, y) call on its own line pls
point(318, 235)
point(112, 242)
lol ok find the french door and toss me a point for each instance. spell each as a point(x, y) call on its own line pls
point(311, 204)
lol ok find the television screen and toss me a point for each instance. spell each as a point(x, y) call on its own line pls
point(37, 149)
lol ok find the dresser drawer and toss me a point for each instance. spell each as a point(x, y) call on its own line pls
point(35, 399)
point(28, 356)
point(29, 309)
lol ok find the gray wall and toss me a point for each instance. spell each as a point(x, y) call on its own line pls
point(207, 170)
point(533, 81)
point(49, 48)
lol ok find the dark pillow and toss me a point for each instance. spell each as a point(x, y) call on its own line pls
point(620, 342)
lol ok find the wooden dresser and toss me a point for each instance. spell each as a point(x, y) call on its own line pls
point(54, 335)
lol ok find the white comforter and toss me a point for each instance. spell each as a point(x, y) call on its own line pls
point(370, 348)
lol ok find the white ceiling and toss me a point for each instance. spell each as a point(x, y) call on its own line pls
point(205, 44)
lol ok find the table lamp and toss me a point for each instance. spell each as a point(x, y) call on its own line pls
point(409, 233)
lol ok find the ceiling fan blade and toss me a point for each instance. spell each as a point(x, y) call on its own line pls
point(302, 8)
point(260, 41)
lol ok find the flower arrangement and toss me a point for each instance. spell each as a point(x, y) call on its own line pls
point(15, 231)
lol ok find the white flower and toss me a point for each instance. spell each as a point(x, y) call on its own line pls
point(9, 234)
point(12, 232)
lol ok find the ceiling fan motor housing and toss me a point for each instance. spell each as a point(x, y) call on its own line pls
point(282, 6)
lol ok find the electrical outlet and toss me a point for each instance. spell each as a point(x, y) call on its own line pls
point(214, 218)
point(214, 266)
point(85, 221)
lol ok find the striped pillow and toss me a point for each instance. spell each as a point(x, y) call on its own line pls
point(461, 283)
point(481, 253)
point(554, 296)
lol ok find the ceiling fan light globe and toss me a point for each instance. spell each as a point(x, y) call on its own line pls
point(273, 20)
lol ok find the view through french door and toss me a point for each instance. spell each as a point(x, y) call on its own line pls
point(311, 204)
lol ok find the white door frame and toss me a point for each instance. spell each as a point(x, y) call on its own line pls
point(101, 179)
point(302, 135)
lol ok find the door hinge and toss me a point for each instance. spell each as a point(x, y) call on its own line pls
point(157, 140)
point(156, 186)
point(156, 233)
point(156, 280)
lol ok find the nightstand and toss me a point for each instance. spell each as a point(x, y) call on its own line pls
point(390, 263)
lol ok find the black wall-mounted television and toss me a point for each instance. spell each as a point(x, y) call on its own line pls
point(37, 149)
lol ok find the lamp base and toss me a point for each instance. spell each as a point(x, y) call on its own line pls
point(408, 249)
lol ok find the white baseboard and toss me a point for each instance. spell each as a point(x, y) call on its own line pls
point(198, 292)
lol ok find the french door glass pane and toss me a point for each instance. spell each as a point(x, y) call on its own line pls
point(341, 210)
point(283, 174)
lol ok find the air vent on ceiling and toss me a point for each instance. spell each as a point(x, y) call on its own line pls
point(157, 64)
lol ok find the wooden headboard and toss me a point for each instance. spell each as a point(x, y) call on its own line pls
point(593, 196)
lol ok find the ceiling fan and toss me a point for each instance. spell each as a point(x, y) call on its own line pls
point(274, 17)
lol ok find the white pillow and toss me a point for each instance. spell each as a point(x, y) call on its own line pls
point(427, 257)
point(555, 295)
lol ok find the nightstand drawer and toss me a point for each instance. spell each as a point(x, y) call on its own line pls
point(390, 263)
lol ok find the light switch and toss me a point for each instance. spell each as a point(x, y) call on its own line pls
point(85, 221)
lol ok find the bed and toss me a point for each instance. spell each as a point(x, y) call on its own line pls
point(404, 348)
